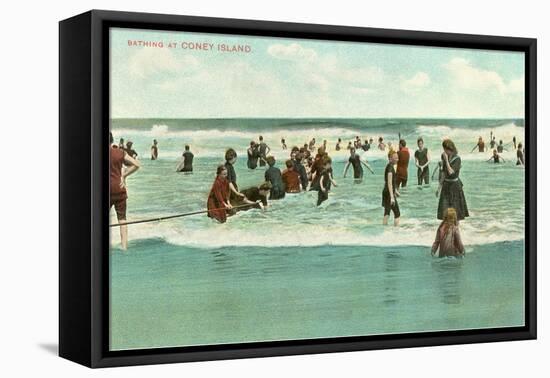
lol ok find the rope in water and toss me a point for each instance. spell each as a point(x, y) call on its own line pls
point(177, 215)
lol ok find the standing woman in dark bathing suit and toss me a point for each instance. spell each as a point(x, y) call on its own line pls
point(451, 194)
point(253, 155)
point(389, 193)
point(230, 159)
point(154, 150)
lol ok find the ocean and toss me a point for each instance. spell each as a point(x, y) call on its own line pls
point(300, 271)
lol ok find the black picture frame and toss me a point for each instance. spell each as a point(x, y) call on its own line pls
point(83, 194)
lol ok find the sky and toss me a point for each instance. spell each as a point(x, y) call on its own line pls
point(302, 78)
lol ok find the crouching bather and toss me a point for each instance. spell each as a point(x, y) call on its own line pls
point(255, 196)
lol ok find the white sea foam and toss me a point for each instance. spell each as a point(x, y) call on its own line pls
point(342, 224)
point(159, 130)
point(411, 233)
point(213, 142)
point(505, 132)
point(213, 134)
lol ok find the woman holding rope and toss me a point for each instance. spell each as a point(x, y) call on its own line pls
point(218, 200)
point(218, 204)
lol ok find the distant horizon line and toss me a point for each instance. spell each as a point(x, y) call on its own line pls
point(316, 118)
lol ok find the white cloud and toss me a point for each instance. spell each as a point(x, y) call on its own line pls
point(153, 61)
point(360, 90)
point(467, 76)
point(328, 72)
point(416, 83)
point(517, 85)
point(235, 88)
point(293, 51)
point(317, 81)
point(342, 72)
point(362, 76)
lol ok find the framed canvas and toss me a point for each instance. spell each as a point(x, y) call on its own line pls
point(236, 188)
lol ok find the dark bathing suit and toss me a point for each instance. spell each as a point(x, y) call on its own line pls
point(386, 198)
point(187, 162)
point(316, 168)
point(253, 155)
point(357, 168)
point(262, 150)
point(299, 167)
point(232, 178)
point(273, 175)
point(452, 194)
point(131, 152)
point(325, 179)
point(422, 174)
point(252, 194)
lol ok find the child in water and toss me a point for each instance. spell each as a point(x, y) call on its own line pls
point(447, 237)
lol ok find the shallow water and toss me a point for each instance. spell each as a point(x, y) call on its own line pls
point(301, 271)
point(166, 295)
